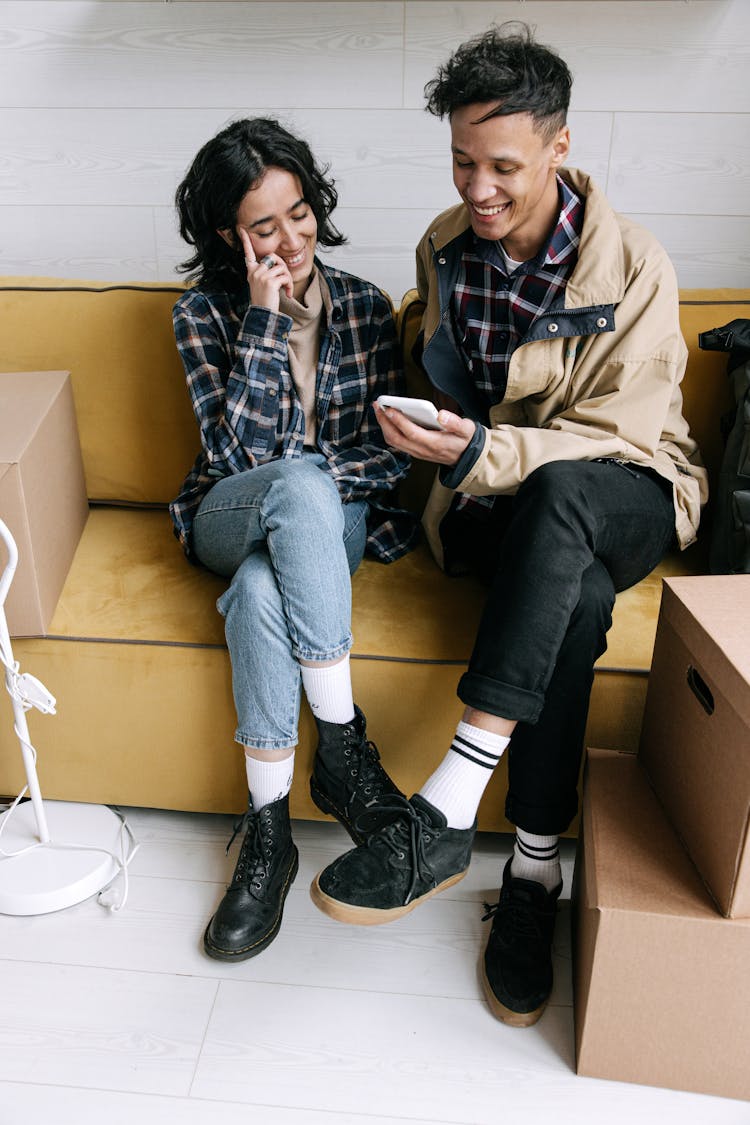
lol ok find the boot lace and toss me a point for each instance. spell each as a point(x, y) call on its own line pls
point(256, 851)
point(406, 837)
point(369, 779)
point(512, 918)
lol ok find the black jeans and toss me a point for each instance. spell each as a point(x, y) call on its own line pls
point(555, 554)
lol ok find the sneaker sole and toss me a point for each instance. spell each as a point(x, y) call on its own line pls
point(263, 942)
point(507, 1015)
point(369, 915)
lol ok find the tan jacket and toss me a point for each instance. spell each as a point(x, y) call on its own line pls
point(599, 378)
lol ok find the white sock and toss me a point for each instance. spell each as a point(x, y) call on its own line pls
point(536, 858)
point(457, 785)
point(268, 781)
point(329, 691)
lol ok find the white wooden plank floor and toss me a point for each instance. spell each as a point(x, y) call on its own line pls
point(119, 1018)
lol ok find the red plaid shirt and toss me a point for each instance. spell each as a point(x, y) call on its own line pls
point(494, 310)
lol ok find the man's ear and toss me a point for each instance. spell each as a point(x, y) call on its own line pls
point(560, 147)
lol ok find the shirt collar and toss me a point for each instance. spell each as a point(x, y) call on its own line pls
point(563, 243)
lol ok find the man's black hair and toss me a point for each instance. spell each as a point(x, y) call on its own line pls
point(222, 173)
point(506, 66)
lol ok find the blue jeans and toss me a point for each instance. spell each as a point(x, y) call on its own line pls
point(554, 556)
point(281, 533)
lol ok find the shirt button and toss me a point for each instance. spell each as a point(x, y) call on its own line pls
point(272, 391)
point(442, 261)
point(553, 328)
point(601, 322)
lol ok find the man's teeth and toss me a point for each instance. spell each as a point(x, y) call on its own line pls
point(490, 210)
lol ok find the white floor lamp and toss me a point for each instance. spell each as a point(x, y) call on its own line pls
point(56, 853)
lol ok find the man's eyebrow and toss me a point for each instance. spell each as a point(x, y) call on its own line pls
point(495, 159)
point(270, 218)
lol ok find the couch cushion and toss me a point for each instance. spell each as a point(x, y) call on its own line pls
point(130, 583)
point(138, 433)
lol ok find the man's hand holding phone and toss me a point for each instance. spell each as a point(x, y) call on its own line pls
point(416, 427)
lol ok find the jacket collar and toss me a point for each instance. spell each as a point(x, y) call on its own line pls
point(599, 274)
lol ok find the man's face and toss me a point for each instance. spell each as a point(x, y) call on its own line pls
point(504, 170)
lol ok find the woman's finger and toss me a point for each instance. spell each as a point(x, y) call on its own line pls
point(247, 247)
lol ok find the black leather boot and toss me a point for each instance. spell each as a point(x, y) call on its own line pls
point(348, 780)
point(249, 915)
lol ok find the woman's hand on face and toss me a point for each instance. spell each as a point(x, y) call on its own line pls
point(266, 277)
point(443, 447)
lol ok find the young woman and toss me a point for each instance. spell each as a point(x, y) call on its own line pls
point(284, 357)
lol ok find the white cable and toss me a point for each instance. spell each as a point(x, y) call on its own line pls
point(123, 862)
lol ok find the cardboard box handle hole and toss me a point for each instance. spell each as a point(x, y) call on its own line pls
point(700, 690)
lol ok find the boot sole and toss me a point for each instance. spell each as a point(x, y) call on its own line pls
point(507, 1015)
point(369, 915)
point(248, 951)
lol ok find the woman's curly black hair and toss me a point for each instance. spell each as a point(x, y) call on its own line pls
point(506, 66)
point(217, 181)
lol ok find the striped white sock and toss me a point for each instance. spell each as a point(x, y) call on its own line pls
point(457, 785)
point(536, 858)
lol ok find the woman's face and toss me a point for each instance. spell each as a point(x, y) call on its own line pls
point(279, 221)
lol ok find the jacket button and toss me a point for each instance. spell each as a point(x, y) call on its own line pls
point(552, 328)
point(601, 322)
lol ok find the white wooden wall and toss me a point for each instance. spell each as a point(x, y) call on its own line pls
point(103, 105)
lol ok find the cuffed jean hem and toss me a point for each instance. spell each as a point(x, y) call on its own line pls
point(506, 701)
point(320, 657)
point(265, 743)
point(542, 821)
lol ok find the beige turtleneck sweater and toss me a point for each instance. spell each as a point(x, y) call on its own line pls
point(304, 347)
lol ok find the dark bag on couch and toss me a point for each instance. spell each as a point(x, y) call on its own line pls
point(730, 532)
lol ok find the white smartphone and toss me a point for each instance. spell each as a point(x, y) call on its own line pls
point(419, 410)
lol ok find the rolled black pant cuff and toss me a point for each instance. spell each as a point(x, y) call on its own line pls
point(550, 820)
point(497, 698)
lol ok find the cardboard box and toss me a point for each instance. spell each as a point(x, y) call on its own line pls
point(695, 739)
point(42, 492)
point(662, 988)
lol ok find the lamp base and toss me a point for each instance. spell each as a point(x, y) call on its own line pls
point(54, 877)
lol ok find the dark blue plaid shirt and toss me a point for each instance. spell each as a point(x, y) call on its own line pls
point(237, 368)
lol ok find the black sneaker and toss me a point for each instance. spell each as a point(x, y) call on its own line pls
point(408, 860)
point(249, 915)
point(517, 966)
point(348, 779)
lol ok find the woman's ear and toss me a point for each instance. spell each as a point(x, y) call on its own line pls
point(229, 237)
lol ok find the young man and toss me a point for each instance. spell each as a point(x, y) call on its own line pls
point(566, 471)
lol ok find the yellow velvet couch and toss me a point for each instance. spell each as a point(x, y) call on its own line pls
point(135, 652)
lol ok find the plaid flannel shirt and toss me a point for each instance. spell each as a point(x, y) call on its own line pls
point(493, 310)
point(237, 368)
